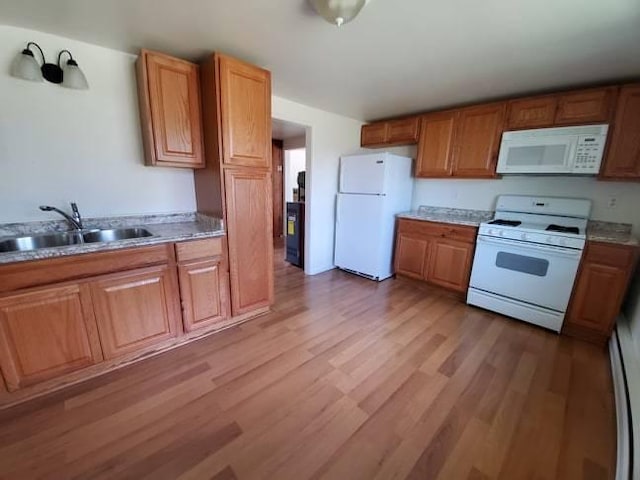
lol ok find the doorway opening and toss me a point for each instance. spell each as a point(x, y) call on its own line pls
point(289, 193)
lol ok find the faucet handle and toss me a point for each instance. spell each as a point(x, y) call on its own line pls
point(76, 213)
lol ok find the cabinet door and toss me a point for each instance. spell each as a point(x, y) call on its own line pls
point(450, 264)
point(623, 159)
point(249, 231)
point(597, 297)
point(600, 288)
point(477, 140)
point(532, 112)
point(245, 106)
point(204, 294)
point(374, 134)
point(135, 309)
point(435, 149)
point(171, 114)
point(411, 255)
point(403, 131)
point(46, 333)
point(586, 106)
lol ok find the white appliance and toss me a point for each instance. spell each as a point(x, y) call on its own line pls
point(564, 150)
point(373, 189)
point(527, 258)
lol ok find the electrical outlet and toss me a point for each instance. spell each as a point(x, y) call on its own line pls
point(613, 201)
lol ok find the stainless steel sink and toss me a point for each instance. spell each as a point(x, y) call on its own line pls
point(40, 241)
point(64, 239)
point(115, 234)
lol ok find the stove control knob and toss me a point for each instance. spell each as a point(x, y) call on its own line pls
point(524, 236)
point(491, 231)
point(500, 233)
point(563, 242)
point(549, 240)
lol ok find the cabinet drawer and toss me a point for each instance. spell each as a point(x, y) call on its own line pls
point(196, 249)
point(609, 254)
point(435, 229)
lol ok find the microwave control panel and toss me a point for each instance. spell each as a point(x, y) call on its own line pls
point(589, 153)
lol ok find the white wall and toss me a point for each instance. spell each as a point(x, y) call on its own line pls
point(59, 145)
point(481, 194)
point(328, 137)
point(294, 162)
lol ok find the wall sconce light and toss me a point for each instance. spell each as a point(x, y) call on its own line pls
point(27, 67)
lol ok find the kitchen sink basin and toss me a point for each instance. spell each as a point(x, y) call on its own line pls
point(115, 234)
point(35, 242)
point(64, 239)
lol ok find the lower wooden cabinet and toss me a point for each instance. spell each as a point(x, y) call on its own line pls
point(249, 230)
point(450, 264)
point(411, 255)
point(204, 283)
point(45, 333)
point(603, 279)
point(437, 253)
point(59, 316)
point(135, 309)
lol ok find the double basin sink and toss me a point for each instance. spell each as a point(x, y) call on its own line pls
point(63, 239)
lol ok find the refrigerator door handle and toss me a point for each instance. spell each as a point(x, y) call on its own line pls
point(337, 209)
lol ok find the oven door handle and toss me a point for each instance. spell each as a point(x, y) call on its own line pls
point(565, 252)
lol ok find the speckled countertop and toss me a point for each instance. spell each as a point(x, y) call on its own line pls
point(458, 216)
point(619, 233)
point(597, 231)
point(164, 228)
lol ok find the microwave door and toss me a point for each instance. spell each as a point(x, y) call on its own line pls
point(537, 155)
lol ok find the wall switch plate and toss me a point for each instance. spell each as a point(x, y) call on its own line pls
point(613, 201)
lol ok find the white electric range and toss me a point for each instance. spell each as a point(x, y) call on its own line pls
point(527, 258)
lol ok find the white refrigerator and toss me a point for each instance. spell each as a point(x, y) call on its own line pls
point(373, 189)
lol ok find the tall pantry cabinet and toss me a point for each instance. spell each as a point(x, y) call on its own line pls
point(236, 182)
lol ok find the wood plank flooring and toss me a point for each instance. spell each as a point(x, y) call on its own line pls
point(345, 379)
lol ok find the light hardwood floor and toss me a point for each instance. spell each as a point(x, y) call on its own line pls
point(346, 379)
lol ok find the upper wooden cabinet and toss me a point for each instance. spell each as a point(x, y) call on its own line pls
point(374, 134)
point(401, 131)
point(571, 108)
point(170, 111)
point(478, 139)
point(435, 149)
point(537, 112)
point(623, 158)
point(245, 113)
point(600, 287)
point(45, 333)
point(586, 106)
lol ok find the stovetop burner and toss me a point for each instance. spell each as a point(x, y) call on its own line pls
point(562, 229)
point(506, 223)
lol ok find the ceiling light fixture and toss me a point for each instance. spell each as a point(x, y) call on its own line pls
point(338, 12)
point(27, 67)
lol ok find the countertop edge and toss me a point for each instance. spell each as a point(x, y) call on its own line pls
point(59, 252)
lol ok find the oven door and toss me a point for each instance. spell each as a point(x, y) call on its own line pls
point(537, 274)
point(544, 154)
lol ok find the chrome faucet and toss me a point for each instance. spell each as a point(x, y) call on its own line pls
point(75, 219)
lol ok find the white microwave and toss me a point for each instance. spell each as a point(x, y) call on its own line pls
point(564, 150)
